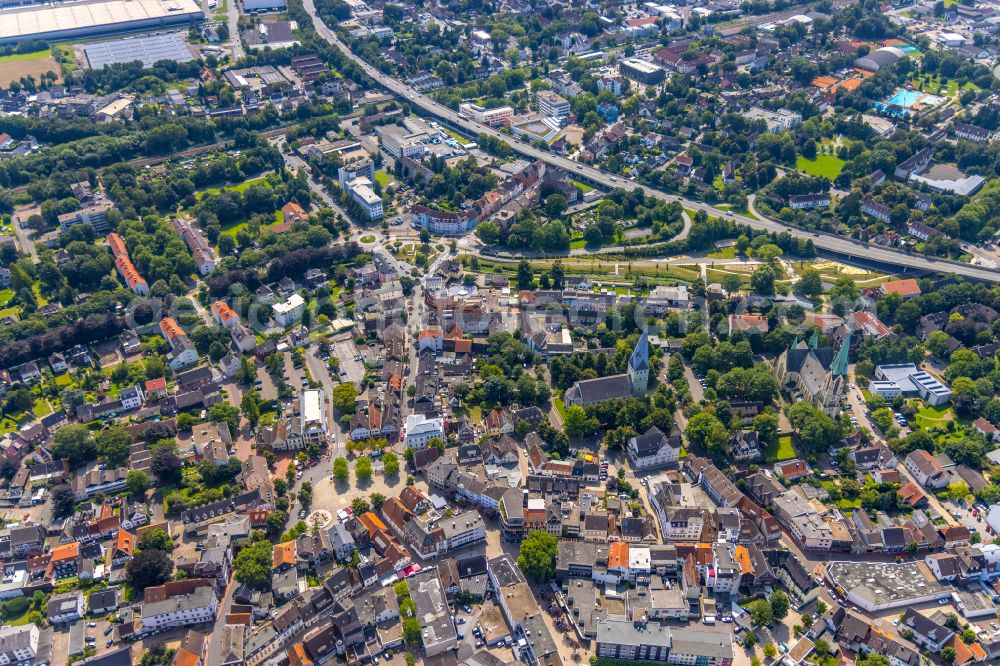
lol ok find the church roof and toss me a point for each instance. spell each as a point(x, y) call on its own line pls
point(640, 355)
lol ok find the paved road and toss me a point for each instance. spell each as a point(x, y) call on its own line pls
point(234, 29)
point(24, 238)
point(847, 247)
point(214, 656)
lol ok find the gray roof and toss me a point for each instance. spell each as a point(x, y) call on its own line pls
point(603, 388)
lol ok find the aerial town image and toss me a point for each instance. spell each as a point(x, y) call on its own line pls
point(499, 332)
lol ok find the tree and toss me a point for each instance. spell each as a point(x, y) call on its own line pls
point(706, 431)
point(732, 283)
point(250, 409)
point(412, 631)
point(63, 501)
point(149, 568)
point(762, 280)
point(253, 564)
point(136, 483)
point(948, 655)
point(74, 444)
point(341, 472)
point(378, 500)
point(166, 466)
point(359, 505)
point(779, 605)
point(230, 414)
point(525, 276)
point(363, 469)
point(810, 283)
point(761, 613)
point(391, 463)
point(555, 205)
point(766, 424)
point(113, 446)
point(156, 539)
point(770, 651)
point(537, 558)
point(345, 397)
point(578, 424)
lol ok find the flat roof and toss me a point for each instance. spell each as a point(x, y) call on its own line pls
point(312, 409)
point(78, 17)
point(148, 49)
point(886, 582)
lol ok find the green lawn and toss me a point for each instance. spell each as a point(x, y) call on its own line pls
point(476, 414)
point(41, 408)
point(63, 380)
point(577, 244)
point(724, 253)
point(34, 55)
point(557, 402)
point(931, 417)
point(828, 166)
point(7, 425)
point(783, 449)
point(11, 311)
point(239, 187)
point(6, 295)
point(583, 186)
point(382, 178)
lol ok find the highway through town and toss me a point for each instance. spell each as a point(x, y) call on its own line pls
point(840, 245)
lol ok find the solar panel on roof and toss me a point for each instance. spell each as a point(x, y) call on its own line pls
point(148, 49)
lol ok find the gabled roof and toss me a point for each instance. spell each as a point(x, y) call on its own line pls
point(284, 553)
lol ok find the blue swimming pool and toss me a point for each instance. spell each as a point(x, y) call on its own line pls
point(905, 98)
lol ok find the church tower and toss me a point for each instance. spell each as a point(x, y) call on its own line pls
point(638, 365)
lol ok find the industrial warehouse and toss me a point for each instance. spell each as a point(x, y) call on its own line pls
point(81, 19)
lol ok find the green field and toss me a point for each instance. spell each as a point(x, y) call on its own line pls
point(239, 187)
point(21, 57)
point(932, 417)
point(828, 166)
point(382, 178)
point(583, 186)
point(783, 449)
point(724, 253)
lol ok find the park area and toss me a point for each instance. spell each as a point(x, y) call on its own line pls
point(826, 166)
point(18, 65)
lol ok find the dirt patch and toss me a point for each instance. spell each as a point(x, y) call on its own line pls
point(13, 70)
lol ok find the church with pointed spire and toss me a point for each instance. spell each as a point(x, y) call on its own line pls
point(634, 382)
point(818, 375)
point(638, 365)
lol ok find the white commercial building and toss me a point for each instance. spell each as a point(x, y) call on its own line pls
point(420, 430)
point(264, 5)
point(18, 644)
point(909, 381)
point(501, 115)
point(551, 104)
point(312, 410)
point(76, 19)
point(400, 142)
point(362, 192)
point(180, 611)
point(290, 311)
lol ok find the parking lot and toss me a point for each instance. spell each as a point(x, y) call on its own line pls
point(350, 362)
